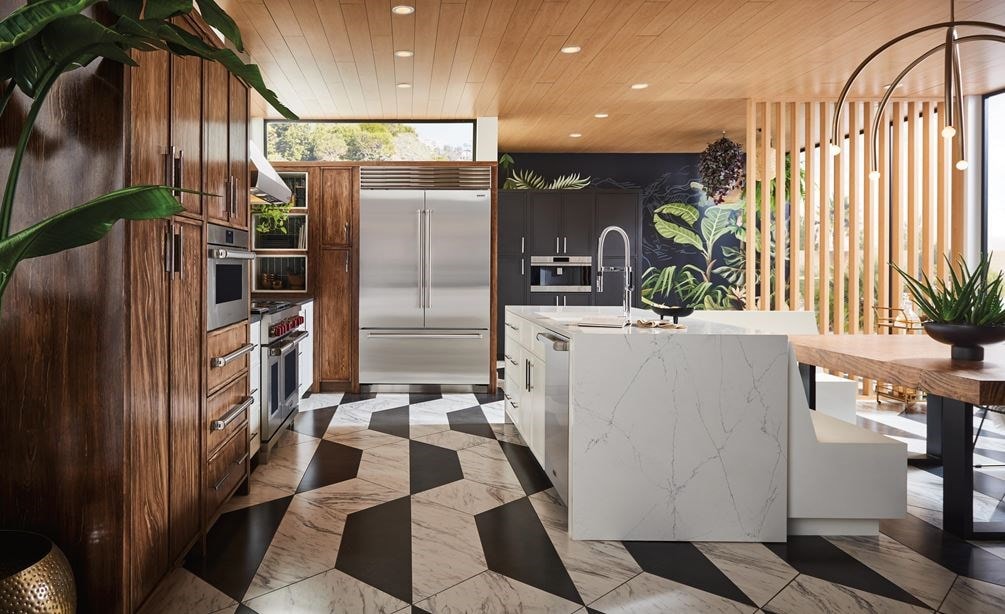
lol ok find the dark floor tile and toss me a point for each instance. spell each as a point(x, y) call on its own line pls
point(332, 463)
point(815, 556)
point(683, 562)
point(236, 545)
point(417, 610)
point(315, 422)
point(983, 483)
point(352, 397)
point(422, 397)
point(377, 547)
point(485, 398)
point(243, 609)
point(391, 421)
point(532, 477)
point(516, 545)
point(471, 421)
point(946, 549)
point(886, 429)
point(431, 466)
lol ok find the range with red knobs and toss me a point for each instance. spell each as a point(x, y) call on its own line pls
point(283, 329)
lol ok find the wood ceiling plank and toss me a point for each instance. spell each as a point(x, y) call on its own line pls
point(472, 24)
point(427, 17)
point(362, 51)
point(447, 34)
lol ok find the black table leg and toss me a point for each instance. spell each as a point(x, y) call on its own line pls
point(933, 423)
point(808, 373)
point(957, 436)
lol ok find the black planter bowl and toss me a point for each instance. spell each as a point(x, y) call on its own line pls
point(673, 312)
point(967, 340)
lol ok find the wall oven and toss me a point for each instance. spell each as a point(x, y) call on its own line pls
point(567, 274)
point(227, 274)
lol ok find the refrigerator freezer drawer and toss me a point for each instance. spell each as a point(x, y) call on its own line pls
point(424, 356)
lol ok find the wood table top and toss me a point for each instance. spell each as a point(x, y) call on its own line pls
point(914, 361)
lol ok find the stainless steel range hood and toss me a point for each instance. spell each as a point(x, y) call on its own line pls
point(265, 181)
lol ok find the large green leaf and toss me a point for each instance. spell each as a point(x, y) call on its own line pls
point(715, 225)
point(686, 212)
point(84, 224)
point(29, 20)
point(679, 234)
point(219, 19)
point(165, 9)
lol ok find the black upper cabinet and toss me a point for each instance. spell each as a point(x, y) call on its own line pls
point(545, 214)
point(512, 222)
point(578, 235)
point(619, 209)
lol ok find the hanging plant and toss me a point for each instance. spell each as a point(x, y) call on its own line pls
point(721, 167)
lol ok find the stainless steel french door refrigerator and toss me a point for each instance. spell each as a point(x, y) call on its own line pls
point(424, 298)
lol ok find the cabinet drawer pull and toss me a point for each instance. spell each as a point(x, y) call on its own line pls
point(510, 358)
point(222, 361)
point(508, 325)
point(235, 411)
point(224, 479)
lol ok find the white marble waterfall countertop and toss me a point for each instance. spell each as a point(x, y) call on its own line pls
point(564, 321)
point(674, 435)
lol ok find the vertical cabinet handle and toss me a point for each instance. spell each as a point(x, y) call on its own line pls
point(556, 301)
point(565, 244)
point(179, 171)
point(233, 194)
point(227, 196)
point(418, 242)
point(527, 383)
point(346, 225)
point(169, 166)
point(556, 246)
point(521, 244)
point(429, 258)
point(179, 244)
point(347, 261)
point(522, 274)
point(565, 301)
point(169, 249)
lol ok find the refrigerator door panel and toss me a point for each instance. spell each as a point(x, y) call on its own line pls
point(424, 356)
point(458, 258)
point(391, 245)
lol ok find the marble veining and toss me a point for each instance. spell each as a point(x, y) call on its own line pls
point(647, 593)
point(810, 594)
point(493, 592)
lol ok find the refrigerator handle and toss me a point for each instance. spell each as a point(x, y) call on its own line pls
point(429, 259)
point(419, 258)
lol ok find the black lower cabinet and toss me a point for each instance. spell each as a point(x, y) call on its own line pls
point(560, 299)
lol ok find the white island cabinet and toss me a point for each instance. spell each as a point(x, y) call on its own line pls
point(306, 348)
point(674, 435)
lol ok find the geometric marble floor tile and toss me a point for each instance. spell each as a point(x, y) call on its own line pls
point(810, 594)
point(970, 596)
point(751, 567)
point(332, 591)
point(909, 570)
point(651, 593)
point(516, 545)
point(493, 593)
point(434, 503)
point(183, 592)
point(817, 557)
point(684, 563)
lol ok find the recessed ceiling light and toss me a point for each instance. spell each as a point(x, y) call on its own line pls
point(572, 49)
point(404, 86)
point(404, 53)
point(600, 115)
point(575, 135)
point(403, 9)
point(639, 86)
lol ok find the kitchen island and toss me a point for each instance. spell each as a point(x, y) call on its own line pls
point(668, 434)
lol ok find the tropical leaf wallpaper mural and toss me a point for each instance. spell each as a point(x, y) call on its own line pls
point(691, 246)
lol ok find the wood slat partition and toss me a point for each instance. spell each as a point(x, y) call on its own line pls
point(843, 228)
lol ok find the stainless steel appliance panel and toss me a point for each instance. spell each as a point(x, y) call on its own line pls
point(556, 412)
point(458, 258)
point(424, 356)
point(227, 271)
point(391, 268)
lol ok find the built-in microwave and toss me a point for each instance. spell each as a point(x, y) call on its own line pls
point(567, 274)
point(227, 271)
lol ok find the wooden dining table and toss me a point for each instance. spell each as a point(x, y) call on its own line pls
point(953, 388)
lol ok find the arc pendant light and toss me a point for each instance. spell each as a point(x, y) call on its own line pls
point(953, 117)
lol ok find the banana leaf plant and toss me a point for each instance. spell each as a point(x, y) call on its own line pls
point(47, 38)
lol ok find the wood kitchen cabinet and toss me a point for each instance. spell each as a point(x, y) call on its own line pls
point(336, 329)
point(337, 204)
point(238, 152)
point(186, 127)
point(215, 127)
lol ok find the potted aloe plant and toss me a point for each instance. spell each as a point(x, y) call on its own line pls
point(967, 312)
point(39, 42)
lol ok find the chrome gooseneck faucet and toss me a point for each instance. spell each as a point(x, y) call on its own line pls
point(627, 269)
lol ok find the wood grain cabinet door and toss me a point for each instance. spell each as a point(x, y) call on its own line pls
point(336, 207)
point(186, 128)
point(238, 135)
point(186, 369)
point(333, 317)
point(215, 124)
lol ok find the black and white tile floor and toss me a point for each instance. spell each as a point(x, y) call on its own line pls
point(432, 503)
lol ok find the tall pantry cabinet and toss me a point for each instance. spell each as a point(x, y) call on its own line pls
point(105, 429)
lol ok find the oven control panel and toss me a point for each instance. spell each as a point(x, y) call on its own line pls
point(286, 325)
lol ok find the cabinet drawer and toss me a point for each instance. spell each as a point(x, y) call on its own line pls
point(226, 470)
point(512, 326)
point(229, 351)
point(227, 412)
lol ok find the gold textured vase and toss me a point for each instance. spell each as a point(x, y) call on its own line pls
point(35, 576)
